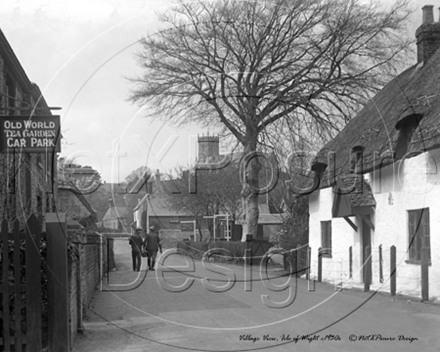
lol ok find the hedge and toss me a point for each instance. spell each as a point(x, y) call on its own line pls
point(234, 250)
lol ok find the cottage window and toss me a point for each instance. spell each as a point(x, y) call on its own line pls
point(326, 238)
point(418, 221)
point(174, 220)
point(406, 128)
point(319, 169)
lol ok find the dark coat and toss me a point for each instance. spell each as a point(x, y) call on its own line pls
point(152, 242)
point(136, 243)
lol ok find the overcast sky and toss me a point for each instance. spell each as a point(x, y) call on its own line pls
point(80, 53)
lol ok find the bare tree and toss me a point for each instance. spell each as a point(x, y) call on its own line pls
point(249, 66)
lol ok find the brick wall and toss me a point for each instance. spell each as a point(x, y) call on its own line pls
point(91, 273)
point(73, 297)
point(84, 271)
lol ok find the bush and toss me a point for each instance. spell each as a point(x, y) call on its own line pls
point(234, 250)
point(192, 249)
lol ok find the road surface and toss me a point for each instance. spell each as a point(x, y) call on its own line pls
point(176, 308)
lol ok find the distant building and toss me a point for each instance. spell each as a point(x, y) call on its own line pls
point(117, 218)
point(161, 214)
point(268, 222)
point(157, 209)
point(71, 201)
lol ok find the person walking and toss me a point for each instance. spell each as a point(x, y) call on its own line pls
point(152, 245)
point(136, 247)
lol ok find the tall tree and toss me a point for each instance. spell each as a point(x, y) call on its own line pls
point(138, 178)
point(250, 66)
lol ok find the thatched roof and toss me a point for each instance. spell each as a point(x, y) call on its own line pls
point(415, 91)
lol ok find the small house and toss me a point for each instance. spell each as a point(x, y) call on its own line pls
point(379, 184)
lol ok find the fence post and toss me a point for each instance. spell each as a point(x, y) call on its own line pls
point(319, 265)
point(17, 275)
point(249, 249)
point(309, 250)
point(367, 268)
point(79, 286)
point(393, 273)
point(297, 261)
point(5, 286)
point(425, 273)
point(33, 285)
point(350, 256)
point(58, 303)
point(380, 265)
point(107, 259)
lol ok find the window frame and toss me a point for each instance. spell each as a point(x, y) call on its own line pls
point(419, 234)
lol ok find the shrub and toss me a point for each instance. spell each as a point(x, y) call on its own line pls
point(294, 233)
point(193, 249)
point(234, 250)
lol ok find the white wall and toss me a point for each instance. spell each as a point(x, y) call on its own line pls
point(336, 268)
point(411, 184)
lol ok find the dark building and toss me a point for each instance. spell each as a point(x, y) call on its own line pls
point(26, 178)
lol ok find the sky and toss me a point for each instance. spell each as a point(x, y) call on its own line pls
point(81, 54)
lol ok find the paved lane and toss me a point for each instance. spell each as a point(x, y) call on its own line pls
point(177, 309)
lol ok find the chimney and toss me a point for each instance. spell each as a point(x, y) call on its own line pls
point(428, 14)
point(209, 147)
point(428, 35)
point(157, 180)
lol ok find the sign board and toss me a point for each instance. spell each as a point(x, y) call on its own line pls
point(187, 226)
point(36, 134)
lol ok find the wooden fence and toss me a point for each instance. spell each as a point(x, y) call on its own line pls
point(256, 249)
point(21, 295)
point(24, 324)
point(367, 273)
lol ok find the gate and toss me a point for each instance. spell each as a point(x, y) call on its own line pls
point(20, 291)
point(258, 248)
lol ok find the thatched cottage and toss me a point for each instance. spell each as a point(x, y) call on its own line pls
point(380, 182)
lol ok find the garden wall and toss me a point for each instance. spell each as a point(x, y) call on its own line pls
point(87, 251)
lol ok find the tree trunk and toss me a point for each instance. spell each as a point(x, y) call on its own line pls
point(199, 228)
point(251, 167)
point(144, 223)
